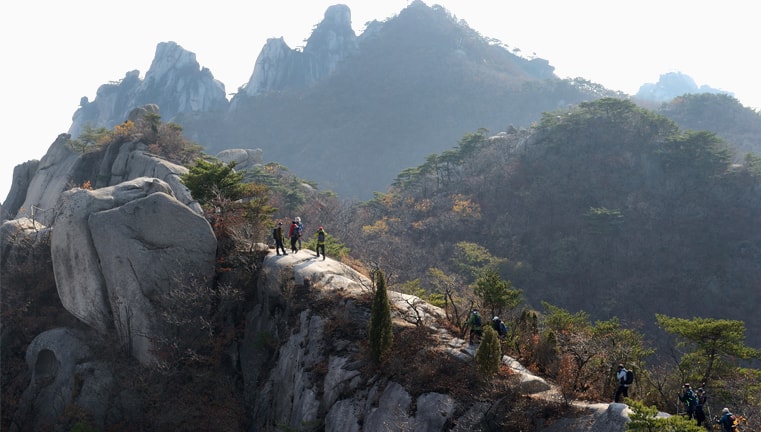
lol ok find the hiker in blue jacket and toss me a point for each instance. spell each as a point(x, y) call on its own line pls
point(690, 401)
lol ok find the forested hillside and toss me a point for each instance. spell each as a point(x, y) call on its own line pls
point(607, 208)
point(724, 115)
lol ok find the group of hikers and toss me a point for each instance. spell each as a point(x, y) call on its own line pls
point(694, 402)
point(295, 231)
point(475, 324)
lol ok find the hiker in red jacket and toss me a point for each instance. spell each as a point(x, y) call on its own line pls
point(293, 234)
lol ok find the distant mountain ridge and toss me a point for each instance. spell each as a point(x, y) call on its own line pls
point(350, 112)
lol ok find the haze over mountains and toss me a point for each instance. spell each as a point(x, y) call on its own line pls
point(351, 112)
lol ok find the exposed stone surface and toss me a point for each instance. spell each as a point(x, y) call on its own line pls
point(175, 82)
point(145, 248)
point(117, 249)
point(54, 174)
point(307, 378)
point(278, 67)
point(244, 158)
point(61, 373)
point(38, 186)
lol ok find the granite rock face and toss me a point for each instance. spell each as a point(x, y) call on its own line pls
point(175, 82)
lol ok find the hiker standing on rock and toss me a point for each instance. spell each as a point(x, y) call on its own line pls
point(474, 323)
point(623, 383)
point(321, 242)
point(277, 234)
point(293, 234)
point(300, 229)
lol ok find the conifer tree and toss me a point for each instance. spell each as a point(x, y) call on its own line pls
point(489, 353)
point(381, 332)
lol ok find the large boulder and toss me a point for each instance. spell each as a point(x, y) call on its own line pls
point(116, 250)
point(62, 373)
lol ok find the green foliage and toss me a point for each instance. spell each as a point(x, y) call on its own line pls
point(489, 353)
point(380, 333)
point(607, 197)
point(496, 293)
point(716, 340)
point(213, 180)
point(603, 221)
point(82, 427)
point(471, 258)
point(644, 419)
point(90, 138)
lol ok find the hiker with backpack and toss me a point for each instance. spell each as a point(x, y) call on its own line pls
point(321, 242)
point(277, 234)
point(474, 324)
point(293, 234)
point(499, 326)
point(625, 379)
point(727, 421)
point(300, 228)
point(690, 401)
point(700, 415)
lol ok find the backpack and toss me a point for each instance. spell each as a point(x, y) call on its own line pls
point(320, 236)
point(629, 377)
point(502, 329)
point(477, 319)
point(734, 422)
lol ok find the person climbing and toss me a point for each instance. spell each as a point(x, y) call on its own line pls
point(277, 234)
point(726, 421)
point(293, 234)
point(321, 242)
point(623, 383)
point(499, 326)
point(690, 401)
point(474, 323)
point(300, 229)
point(700, 415)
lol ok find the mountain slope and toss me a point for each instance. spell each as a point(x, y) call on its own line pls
point(606, 208)
point(417, 82)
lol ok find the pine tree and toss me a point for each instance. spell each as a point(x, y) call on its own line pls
point(489, 353)
point(381, 332)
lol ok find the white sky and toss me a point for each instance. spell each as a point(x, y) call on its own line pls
point(54, 52)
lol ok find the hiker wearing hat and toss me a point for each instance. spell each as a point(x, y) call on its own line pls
point(277, 234)
point(700, 415)
point(726, 421)
point(321, 242)
point(499, 326)
point(474, 324)
point(690, 401)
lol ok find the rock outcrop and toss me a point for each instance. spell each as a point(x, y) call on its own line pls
point(313, 376)
point(38, 186)
point(279, 67)
point(175, 82)
point(671, 85)
point(116, 250)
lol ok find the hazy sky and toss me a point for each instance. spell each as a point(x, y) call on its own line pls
point(54, 52)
